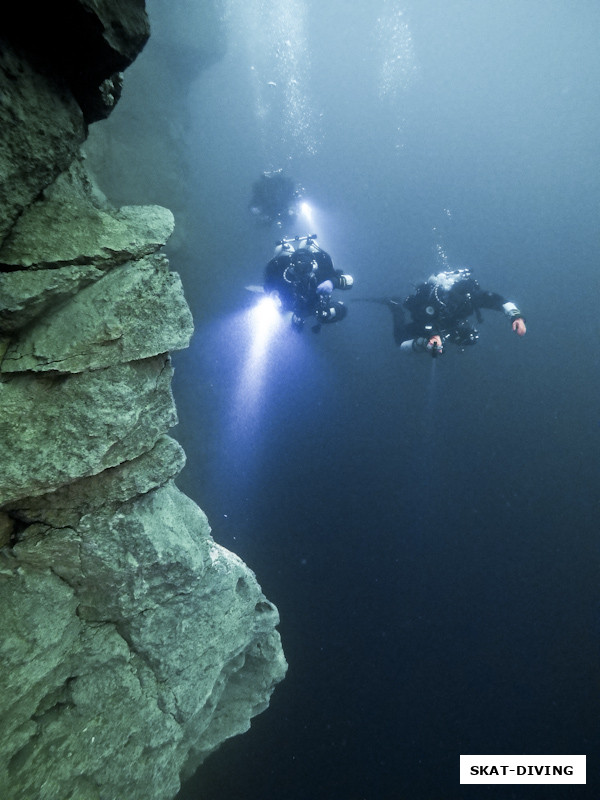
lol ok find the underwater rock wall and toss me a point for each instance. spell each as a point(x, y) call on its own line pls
point(132, 644)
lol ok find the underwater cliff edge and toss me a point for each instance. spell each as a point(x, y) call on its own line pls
point(133, 645)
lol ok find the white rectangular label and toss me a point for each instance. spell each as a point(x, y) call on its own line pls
point(522, 769)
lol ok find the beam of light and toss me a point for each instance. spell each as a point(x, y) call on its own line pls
point(264, 319)
point(306, 211)
point(261, 324)
point(254, 363)
point(313, 218)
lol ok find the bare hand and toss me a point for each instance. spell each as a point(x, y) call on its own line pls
point(435, 343)
point(519, 326)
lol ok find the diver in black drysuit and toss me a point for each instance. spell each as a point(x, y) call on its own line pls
point(274, 199)
point(439, 310)
point(302, 281)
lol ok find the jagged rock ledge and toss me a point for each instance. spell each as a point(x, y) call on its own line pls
point(133, 644)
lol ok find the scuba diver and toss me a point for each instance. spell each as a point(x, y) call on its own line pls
point(439, 309)
point(301, 279)
point(275, 198)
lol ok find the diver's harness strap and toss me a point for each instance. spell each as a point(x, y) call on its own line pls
point(467, 299)
point(302, 287)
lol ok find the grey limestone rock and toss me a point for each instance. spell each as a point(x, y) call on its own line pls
point(72, 224)
point(172, 650)
point(64, 507)
point(135, 311)
point(42, 130)
point(87, 43)
point(25, 294)
point(57, 429)
point(133, 644)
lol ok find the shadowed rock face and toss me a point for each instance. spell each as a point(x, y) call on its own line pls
point(84, 43)
point(133, 644)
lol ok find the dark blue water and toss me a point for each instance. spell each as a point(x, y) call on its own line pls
point(428, 530)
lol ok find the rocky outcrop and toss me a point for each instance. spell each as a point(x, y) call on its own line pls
point(187, 40)
point(84, 44)
point(133, 644)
